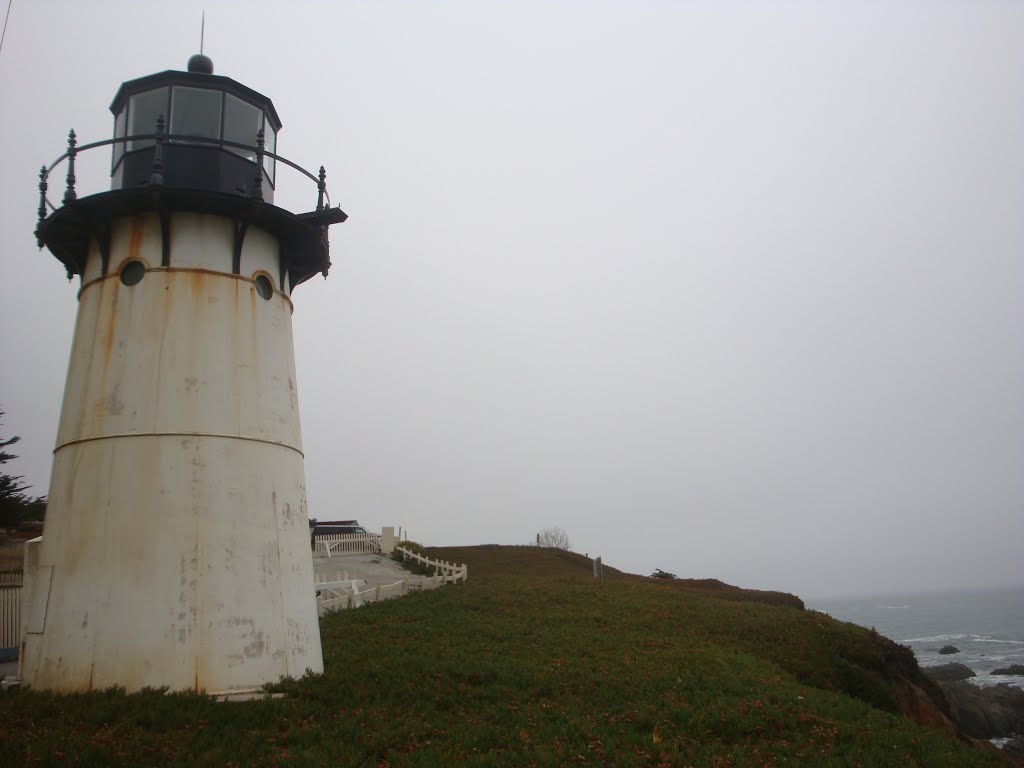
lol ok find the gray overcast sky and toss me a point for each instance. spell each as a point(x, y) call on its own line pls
point(730, 289)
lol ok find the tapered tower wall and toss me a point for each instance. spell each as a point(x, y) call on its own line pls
point(176, 549)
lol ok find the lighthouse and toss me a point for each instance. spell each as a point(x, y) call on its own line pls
point(175, 551)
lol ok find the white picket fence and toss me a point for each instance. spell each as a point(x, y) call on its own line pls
point(451, 573)
point(351, 593)
point(10, 610)
point(339, 595)
point(331, 544)
point(10, 616)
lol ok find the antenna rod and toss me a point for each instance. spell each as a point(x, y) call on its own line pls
point(202, 31)
point(6, 19)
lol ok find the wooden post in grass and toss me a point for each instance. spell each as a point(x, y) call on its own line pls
point(598, 569)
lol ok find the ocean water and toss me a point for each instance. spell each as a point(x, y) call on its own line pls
point(987, 626)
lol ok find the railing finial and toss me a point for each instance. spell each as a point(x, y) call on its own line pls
point(42, 205)
point(69, 193)
point(321, 189)
point(257, 186)
point(157, 177)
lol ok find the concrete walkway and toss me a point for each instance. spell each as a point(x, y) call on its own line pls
point(372, 568)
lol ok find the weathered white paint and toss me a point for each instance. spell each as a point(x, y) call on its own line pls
point(176, 533)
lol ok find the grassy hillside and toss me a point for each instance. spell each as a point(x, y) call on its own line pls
point(532, 663)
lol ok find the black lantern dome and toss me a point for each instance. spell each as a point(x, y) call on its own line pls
point(213, 126)
point(200, 63)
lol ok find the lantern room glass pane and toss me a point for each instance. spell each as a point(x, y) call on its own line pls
point(143, 110)
point(195, 112)
point(120, 123)
point(270, 145)
point(241, 123)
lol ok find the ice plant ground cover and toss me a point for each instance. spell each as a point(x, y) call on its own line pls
point(530, 663)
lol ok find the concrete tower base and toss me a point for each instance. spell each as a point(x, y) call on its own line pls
point(176, 548)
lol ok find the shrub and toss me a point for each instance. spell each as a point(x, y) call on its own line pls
point(412, 565)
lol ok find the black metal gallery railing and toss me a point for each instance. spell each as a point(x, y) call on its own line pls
point(160, 138)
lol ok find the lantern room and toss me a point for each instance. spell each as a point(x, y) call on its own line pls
point(188, 142)
point(213, 126)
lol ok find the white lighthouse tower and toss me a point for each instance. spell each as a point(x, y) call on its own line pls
point(176, 545)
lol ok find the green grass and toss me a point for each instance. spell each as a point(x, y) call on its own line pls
point(548, 669)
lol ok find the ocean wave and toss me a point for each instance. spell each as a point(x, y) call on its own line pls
point(989, 681)
point(896, 606)
point(963, 637)
point(1000, 657)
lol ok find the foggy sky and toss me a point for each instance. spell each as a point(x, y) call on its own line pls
point(728, 289)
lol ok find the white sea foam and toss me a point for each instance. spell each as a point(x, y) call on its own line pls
point(935, 639)
point(987, 681)
point(996, 640)
point(968, 637)
point(1002, 656)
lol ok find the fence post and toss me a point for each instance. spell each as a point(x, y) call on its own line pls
point(387, 540)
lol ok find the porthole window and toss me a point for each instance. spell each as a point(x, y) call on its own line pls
point(264, 287)
point(132, 272)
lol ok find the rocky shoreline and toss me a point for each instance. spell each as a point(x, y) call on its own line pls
point(989, 712)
